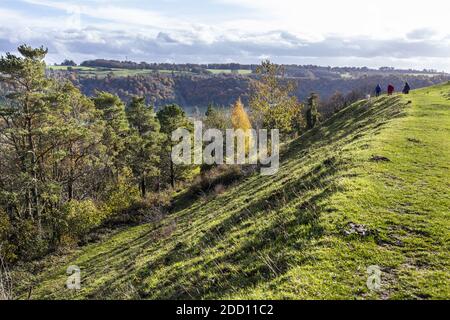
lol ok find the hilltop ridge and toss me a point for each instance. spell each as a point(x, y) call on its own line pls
point(367, 188)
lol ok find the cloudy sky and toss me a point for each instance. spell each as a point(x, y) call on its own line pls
point(371, 33)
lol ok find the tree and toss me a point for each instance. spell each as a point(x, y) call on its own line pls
point(217, 118)
point(334, 104)
point(240, 120)
point(171, 117)
point(273, 102)
point(68, 63)
point(50, 142)
point(239, 117)
point(312, 115)
point(116, 131)
point(25, 116)
point(145, 141)
point(79, 132)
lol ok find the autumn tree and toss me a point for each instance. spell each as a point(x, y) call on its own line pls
point(241, 121)
point(217, 118)
point(273, 102)
point(239, 117)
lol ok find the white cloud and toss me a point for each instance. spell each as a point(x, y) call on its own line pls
point(353, 32)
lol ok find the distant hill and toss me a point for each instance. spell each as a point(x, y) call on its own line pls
point(370, 187)
point(191, 89)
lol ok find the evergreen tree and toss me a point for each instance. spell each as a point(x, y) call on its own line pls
point(144, 143)
point(49, 139)
point(25, 115)
point(171, 117)
point(312, 115)
point(116, 132)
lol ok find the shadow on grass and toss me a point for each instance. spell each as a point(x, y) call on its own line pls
point(264, 253)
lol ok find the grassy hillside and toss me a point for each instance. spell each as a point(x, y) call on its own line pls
point(370, 187)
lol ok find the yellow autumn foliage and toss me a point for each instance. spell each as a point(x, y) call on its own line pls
point(239, 117)
point(241, 120)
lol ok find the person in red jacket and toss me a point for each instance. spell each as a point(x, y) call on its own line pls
point(390, 90)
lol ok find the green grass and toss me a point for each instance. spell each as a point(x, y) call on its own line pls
point(65, 68)
point(282, 236)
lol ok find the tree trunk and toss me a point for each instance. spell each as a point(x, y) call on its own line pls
point(143, 187)
point(172, 170)
point(70, 185)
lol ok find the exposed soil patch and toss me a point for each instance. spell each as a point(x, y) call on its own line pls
point(376, 158)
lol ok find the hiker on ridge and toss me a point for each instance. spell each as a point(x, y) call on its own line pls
point(391, 90)
point(378, 90)
point(407, 88)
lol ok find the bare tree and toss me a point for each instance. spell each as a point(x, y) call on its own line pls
point(6, 286)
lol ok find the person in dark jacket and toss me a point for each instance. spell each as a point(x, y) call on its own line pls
point(407, 88)
point(378, 90)
point(390, 90)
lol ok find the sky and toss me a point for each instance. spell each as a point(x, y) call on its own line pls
point(403, 34)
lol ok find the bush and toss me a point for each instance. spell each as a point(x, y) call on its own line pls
point(123, 195)
point(29, 242)
point(82, 217)
point(217, 179)
point(7, 250)
point(150, 209)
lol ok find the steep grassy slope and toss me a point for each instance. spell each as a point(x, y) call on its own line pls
point(381, 165)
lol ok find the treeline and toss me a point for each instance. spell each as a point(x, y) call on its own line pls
point(292, 70)
point(222, 90)
point(114, 64)
point(71, 163)
point(162, 89)
point(186, 67)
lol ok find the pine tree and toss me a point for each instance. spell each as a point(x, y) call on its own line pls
point(116, 131)
point(171, 117)
point(25, 114)
point(144, 143)
point(51, 137)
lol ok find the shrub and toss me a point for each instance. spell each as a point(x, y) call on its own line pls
point(150, 209)
point(216, 179)
point(7, 250)
point(29, 242)
point(82, 217)
point(123, 195)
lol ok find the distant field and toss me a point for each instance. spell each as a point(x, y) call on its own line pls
point(103, 72)
point(89, 72)
point(240, 71)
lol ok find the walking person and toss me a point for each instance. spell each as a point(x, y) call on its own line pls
point(407, 88)
point(390, 90)
point(378, 90)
